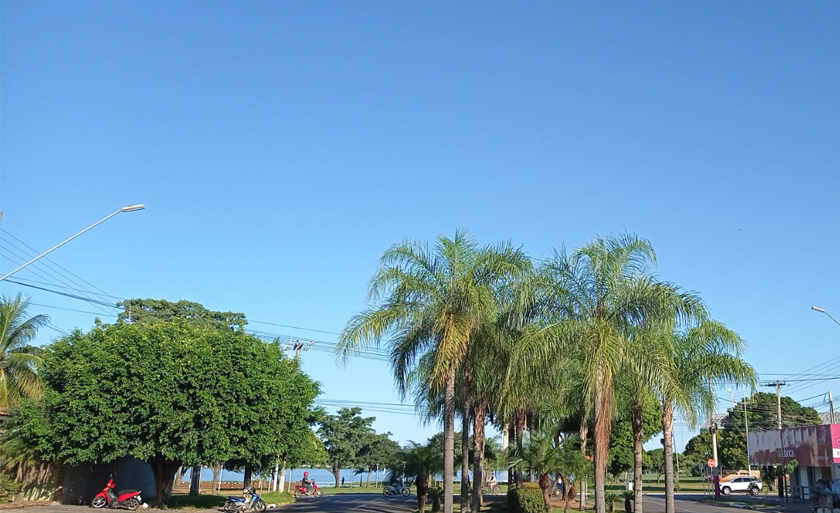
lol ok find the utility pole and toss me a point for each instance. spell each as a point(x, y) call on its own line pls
point(778, 384)
point(831, 405)
point(747, 431)
point(713, 429)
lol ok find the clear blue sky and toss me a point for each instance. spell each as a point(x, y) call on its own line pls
point(280, 147)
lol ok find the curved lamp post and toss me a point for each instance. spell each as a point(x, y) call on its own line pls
point(127, 208)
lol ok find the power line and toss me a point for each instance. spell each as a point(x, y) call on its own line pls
point(45, 272)
point(50, 260)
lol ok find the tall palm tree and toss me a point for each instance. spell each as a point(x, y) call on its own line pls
point(648, 371)
point(701, 356)
point(18, 358)
point(434, 301)
point(591, 299)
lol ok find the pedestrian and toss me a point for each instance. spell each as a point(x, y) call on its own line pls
point(342, 482)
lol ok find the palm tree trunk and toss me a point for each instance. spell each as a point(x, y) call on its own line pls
point(465, 458)
point(668, 434)
point(545, 484)
point(583, 432)
point(478, 451)
point(520, 440)
point(603, 427)
point(638, 441)
point(449, 441)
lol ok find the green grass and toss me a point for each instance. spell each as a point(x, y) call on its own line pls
point(277, 497)
point(195, 501)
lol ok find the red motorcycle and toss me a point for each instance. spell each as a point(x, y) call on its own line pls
point(126, 499)
point(300, 491)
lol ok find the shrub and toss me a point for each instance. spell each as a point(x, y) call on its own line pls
point(528, 499)
point(9, 488)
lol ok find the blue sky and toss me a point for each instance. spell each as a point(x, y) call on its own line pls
point(280, 147)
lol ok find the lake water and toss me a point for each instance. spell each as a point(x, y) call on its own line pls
point(323, 477)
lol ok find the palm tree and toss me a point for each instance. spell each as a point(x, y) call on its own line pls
point(547, 454)
point(18, 359)
point(648, 371)
point(434, 301)
point(420, 463)
point(701, 356)
point(591, 299)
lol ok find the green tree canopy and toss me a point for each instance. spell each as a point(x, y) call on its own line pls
point(161, 310)
point(345, 435)
point(169, 393)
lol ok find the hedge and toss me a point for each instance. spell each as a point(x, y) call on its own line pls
point(528, 499)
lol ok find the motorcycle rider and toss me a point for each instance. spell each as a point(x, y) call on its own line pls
point(307, 484)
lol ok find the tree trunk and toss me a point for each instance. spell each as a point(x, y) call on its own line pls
point(583, 432)
point(246, 481)
point(367, 482)
point(570, 494)
point(422, 492)
point(217, 476)
point(449, 442)
point(520, 440)
point(478, 456)
point(336, 472)
point(511, 434)
point(603, 427)
point(667, 446)
point(281, 483)
point(164, 471)
point(638, 442)
point(195, 480)
point(465, 457)
point(545, 485)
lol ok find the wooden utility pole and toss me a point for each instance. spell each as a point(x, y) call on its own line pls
point(831, 405)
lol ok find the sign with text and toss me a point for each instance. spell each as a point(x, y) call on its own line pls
point(811, 446)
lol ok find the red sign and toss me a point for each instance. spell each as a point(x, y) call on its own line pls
point(811, 446)
point(712, 463)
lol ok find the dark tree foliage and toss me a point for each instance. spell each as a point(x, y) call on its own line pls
point(161, 310)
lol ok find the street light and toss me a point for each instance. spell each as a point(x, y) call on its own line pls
point(127, 208)
point(822, 310)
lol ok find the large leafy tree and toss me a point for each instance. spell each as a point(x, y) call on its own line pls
point(168, 393)
point(345, 436)
point(591, 299)
point(378, 451)
point(19, 359)
point(434, 301)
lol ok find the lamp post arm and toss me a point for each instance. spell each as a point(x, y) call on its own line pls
point(45, 253)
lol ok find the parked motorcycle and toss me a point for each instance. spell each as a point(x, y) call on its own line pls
point(249, 501)
point(301, 491)
point(125, 499)
point(396, 489)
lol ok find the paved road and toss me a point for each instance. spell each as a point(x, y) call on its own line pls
point(352, 503)
point(376, 503)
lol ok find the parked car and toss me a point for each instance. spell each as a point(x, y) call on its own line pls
point(750, 485)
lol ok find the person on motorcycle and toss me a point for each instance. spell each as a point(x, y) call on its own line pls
point(307, 484)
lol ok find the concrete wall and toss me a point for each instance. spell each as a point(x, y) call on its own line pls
point(83, 482)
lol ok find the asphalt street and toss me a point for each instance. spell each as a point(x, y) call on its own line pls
point(376, 503)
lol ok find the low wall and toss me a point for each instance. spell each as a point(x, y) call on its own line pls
point(83, 482)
